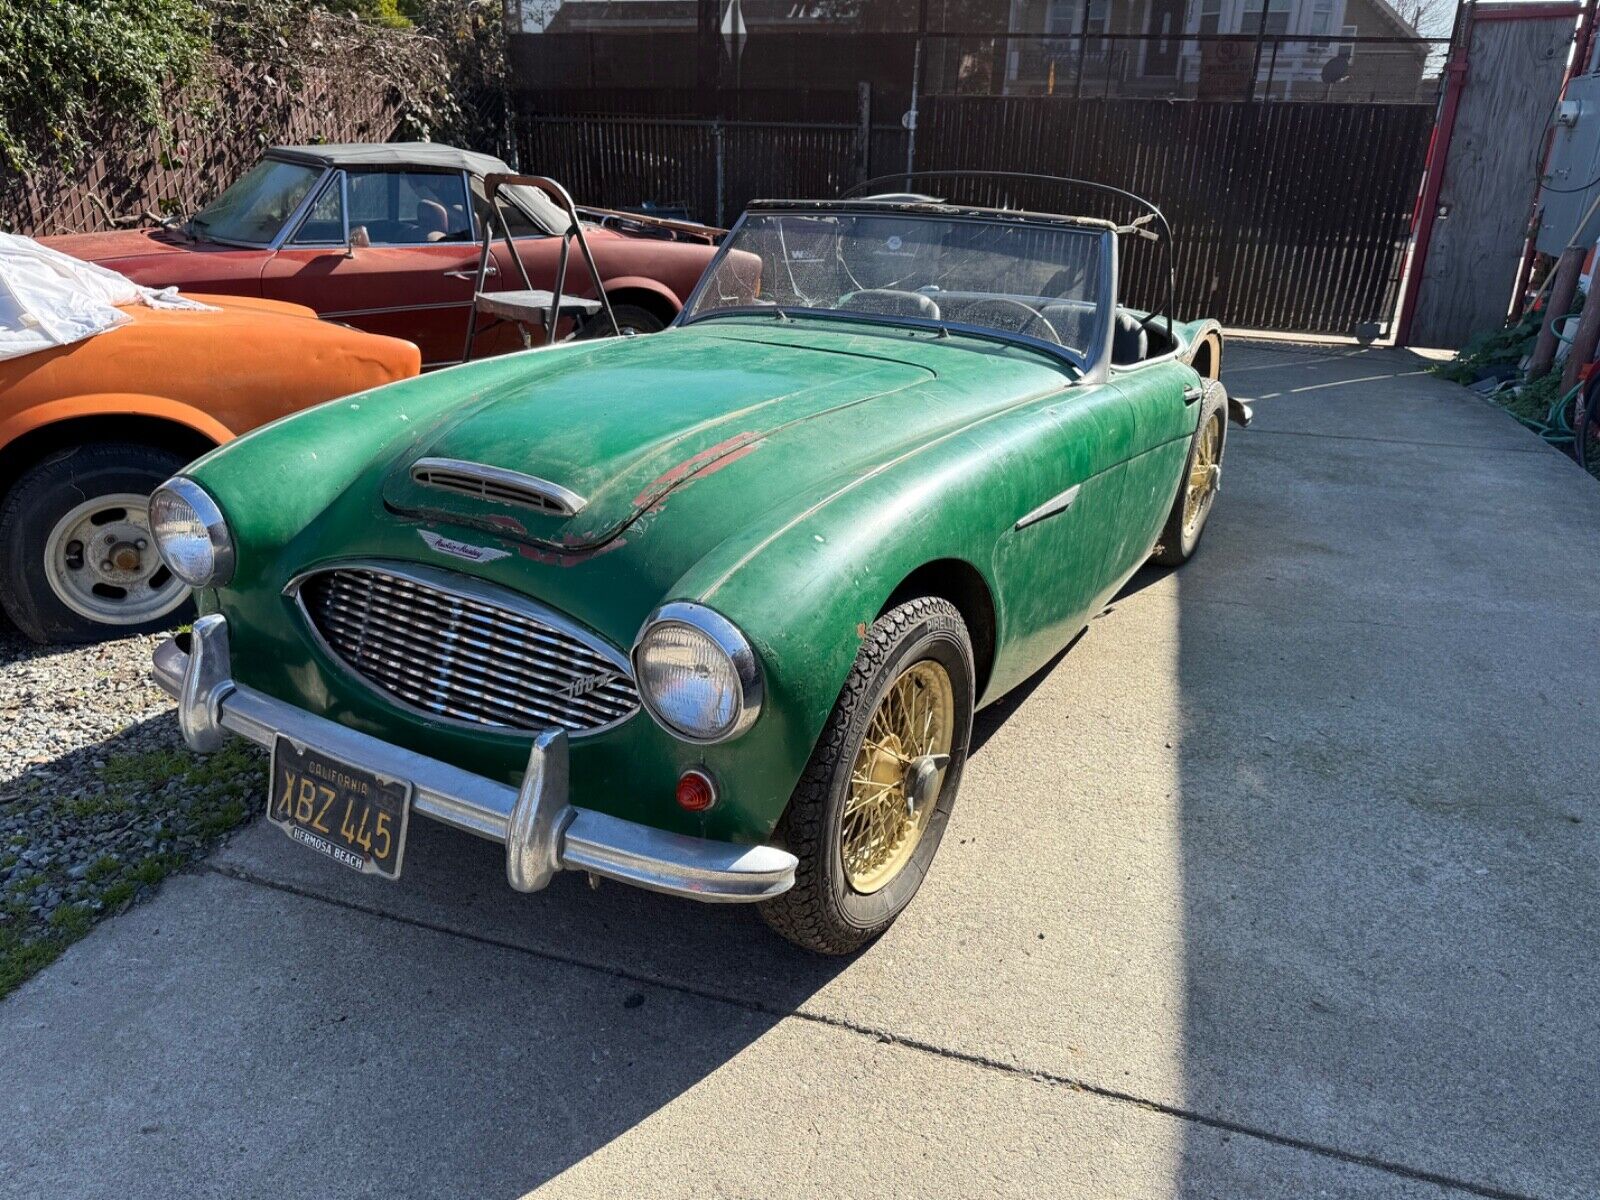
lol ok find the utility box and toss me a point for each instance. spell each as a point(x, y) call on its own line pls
point(1574, 162)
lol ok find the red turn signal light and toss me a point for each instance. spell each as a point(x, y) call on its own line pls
point(696, 791)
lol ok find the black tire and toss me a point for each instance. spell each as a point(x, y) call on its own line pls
point(40, 499)
point(631, 318)
point(1177, 543)
point(822, 912)
point(1586, 430)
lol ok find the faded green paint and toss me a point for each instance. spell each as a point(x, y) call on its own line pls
point(789, 475)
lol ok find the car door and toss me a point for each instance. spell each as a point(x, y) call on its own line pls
point(1162, 398)
point(1055, 563)
point(390, 252)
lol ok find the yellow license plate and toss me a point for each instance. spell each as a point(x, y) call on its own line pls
point(353, 816)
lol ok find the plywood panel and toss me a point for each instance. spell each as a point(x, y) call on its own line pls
point(1513, 77)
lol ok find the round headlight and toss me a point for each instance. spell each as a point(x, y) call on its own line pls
point(190, 534)
point(697, 674)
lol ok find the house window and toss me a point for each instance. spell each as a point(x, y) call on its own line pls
point(1061, 16)
point(1066, 17)
point(1277, 17)
point(1099, 22)
point(1321, 22)
point(1210, 16)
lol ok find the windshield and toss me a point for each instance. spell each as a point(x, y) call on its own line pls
point(257, 205)
point(1038, 281)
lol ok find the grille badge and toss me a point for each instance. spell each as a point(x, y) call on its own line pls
point(587, 684)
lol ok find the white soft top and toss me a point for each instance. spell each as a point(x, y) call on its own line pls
point(48, 298)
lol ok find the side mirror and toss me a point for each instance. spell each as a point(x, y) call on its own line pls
point(359, 240)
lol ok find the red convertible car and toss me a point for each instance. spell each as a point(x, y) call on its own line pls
point(387, 237)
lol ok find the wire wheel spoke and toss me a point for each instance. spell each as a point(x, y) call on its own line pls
point(880, 827)
point(1204, 474)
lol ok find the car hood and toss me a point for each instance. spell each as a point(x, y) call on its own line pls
point(624, 423)
point(118, 245)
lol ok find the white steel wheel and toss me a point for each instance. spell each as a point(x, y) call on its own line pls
point(101, 562)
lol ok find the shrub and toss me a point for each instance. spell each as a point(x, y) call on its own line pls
point(62, 62)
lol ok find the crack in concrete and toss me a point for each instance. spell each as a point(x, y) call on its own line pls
point(1222, 1124)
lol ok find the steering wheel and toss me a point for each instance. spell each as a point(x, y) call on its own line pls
point(1033, 316)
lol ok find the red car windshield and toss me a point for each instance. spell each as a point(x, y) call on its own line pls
point(253, 210)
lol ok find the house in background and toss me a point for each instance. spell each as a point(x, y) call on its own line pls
point(1194, 49)
point(1153, 47)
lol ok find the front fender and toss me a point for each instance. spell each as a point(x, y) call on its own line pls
point(806, 586)
point(113, 404)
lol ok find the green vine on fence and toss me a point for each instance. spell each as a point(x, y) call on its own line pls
point(70, 67)
point(65, 62)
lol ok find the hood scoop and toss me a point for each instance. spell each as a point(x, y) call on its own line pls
point(498, 485)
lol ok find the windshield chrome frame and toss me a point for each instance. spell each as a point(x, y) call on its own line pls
point(1088, 368)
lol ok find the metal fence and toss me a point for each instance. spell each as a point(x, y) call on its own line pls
point(1287, 216)
point(706, 168)
point(1288, 163)
point(1345, 66)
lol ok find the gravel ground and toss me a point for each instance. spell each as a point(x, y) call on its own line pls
point(99, 799)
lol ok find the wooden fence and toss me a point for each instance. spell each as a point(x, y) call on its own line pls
point(219, 133)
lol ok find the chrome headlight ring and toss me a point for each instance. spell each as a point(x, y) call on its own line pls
point(208, 533)
point(745, 682)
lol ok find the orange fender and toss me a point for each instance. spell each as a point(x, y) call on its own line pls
point(113, 404)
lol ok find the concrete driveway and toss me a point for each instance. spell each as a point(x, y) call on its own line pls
point(1280, 883)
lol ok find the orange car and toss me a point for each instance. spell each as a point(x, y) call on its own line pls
point(88, 430)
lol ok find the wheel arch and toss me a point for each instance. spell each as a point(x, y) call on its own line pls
point(82, 420)
point(1205, 352)
point(649, 294)
point(963, 585)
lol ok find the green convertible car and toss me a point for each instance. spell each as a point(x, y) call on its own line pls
point(708, 611)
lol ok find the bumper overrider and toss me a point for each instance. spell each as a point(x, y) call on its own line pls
point(541, 831)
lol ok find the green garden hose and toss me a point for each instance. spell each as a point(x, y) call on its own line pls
point(1556, 428)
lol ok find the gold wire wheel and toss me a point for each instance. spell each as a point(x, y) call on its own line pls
point(886, 811)
point(1204, 474)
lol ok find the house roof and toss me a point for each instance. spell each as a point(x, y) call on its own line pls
point(1391, 16)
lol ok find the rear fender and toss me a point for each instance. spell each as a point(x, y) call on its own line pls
point(639, 283)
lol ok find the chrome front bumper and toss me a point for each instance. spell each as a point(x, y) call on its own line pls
point(542, 833)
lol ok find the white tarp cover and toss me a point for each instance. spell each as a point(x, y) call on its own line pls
point(48, 298)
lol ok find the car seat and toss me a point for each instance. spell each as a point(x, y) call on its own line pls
point(1129, 341)
point(433, 220)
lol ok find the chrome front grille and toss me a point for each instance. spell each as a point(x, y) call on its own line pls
point(454, 648)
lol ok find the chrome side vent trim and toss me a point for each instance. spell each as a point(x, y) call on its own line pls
point(497, 484)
